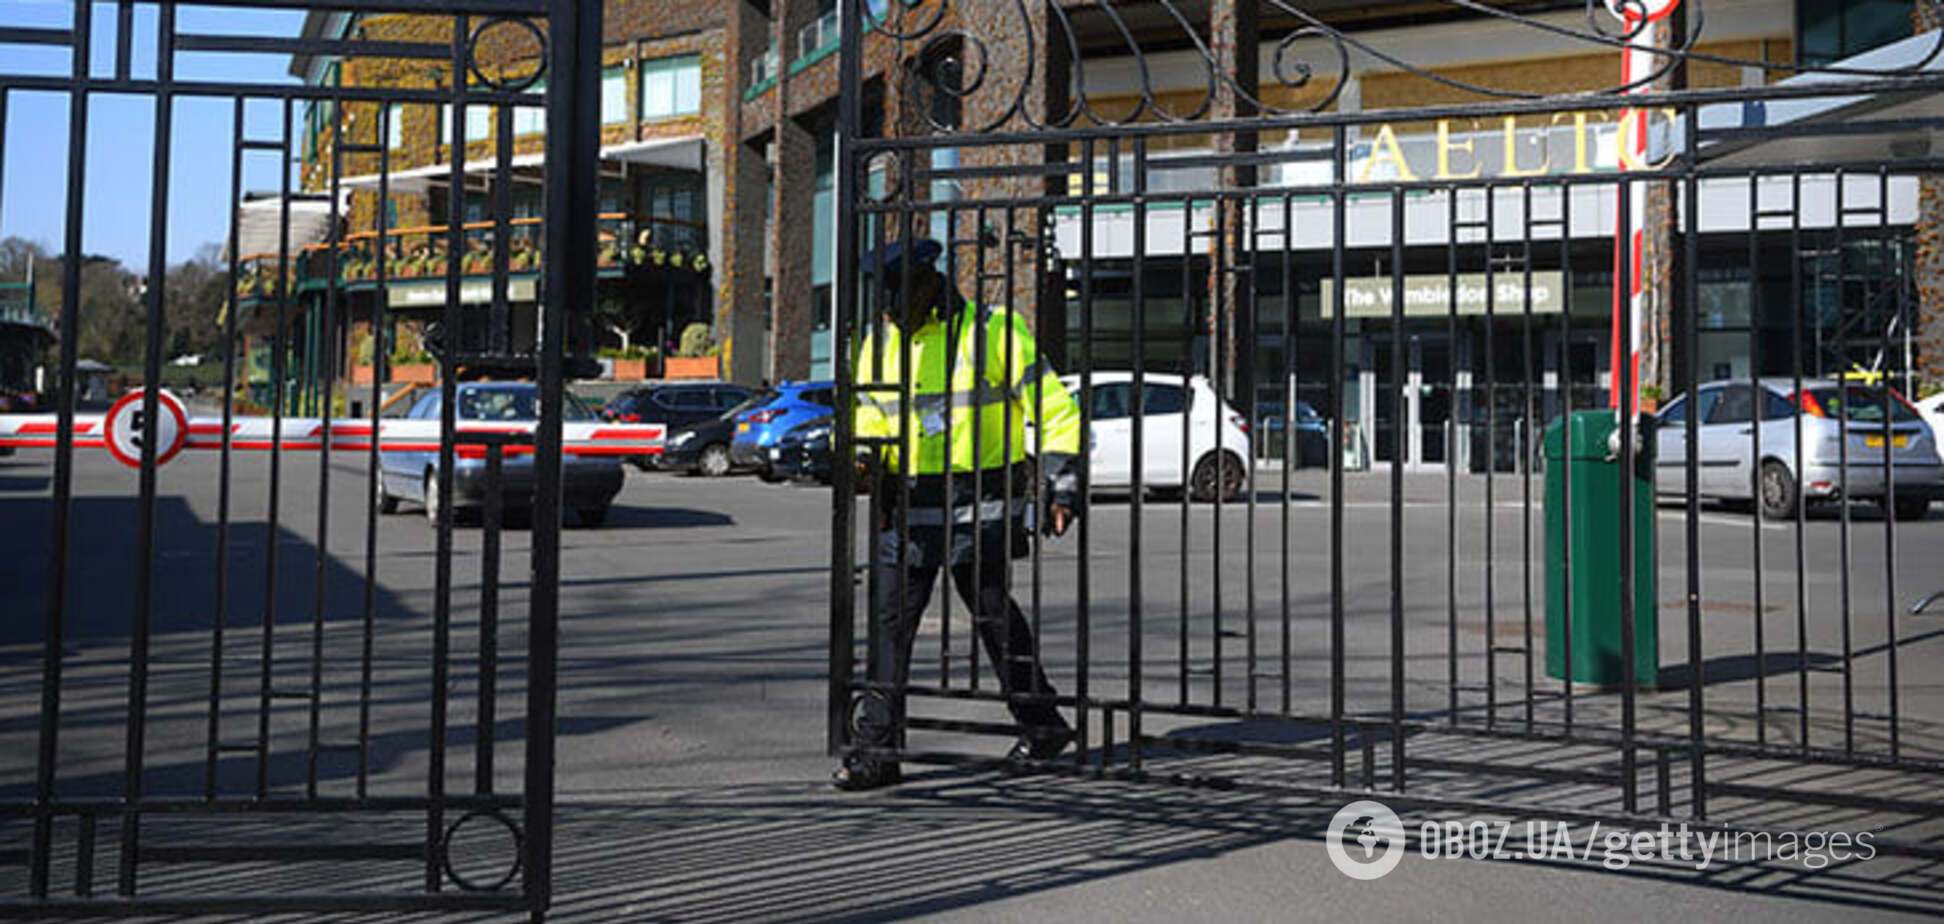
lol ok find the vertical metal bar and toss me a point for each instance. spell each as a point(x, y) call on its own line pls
point(573, 198)
point(1083, 602)
point(1624, 387)
point(52, 649)
point(1042, 225)
point(1290, 447)
point(380, 368)
point(1398, 407)
point(1338, 162)
point(980, 366)
point(1691, 311)
point(125, 38)
point(213, 741)
point(1565, 437)
point(272, 538)
point(1245, 370)
point(842, 650)
point(954, 340)
point(1491, 456)
point(489, 578)
point(1531, 412)
point(1761, 400)
point(1135, 697)
point(84, 857)
point(1137, 405)
point(1801, 506)
point(1008, 368)
point(498, 341)
point(435, 777)
point(1451, 462)
point(134, 756)
point(1218, 303)
point(325, 370)
point(1842, 470)
point(1890, 401)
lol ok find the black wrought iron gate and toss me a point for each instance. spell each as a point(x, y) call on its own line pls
point(235, 713)
point(1230, 266)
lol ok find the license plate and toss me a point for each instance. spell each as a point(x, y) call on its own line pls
point(1876, 442)
point(742, 428)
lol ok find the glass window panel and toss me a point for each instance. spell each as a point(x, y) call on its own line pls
point(614, 96)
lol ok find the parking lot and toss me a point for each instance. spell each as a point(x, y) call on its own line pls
point(694, 627)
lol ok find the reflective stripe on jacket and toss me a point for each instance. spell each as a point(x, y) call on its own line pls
point(979, 382)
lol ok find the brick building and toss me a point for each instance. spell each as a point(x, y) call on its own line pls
point(786, 122)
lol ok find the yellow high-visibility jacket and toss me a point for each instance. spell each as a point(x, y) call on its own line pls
point(954, 409)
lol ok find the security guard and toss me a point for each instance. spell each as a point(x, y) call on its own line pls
point(978, 383)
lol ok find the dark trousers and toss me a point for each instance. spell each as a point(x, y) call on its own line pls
point(1002, 627)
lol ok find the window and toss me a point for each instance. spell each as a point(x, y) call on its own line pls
point(479, 123)
point(1110, 401)
point(614, 96)
point(1830, 30)
point(531, 120)
point(824, 396)
point(671, 87)
point(1163, 399)
point(395, 126)
point(1737, 405)
point(727, 398)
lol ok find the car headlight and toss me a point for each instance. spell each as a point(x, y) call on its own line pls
point(682, 438)
point(820, 433)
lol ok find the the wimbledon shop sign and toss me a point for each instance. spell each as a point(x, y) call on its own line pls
point(1429, 295)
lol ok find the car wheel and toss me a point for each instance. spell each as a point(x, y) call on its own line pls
point(714, 461)
point(1217, 474)
point(593, 516)
point(386, 502)
point(433, 513)
point(1910, 508)
point(1778, 491)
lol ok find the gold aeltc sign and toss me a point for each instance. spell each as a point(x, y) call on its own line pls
point(1455, 151)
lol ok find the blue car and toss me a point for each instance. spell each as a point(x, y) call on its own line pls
point(759, 428)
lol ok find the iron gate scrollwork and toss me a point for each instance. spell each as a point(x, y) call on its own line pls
point(1286, 250)
point(268, 707)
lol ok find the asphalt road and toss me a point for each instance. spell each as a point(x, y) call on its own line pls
point(692, 687)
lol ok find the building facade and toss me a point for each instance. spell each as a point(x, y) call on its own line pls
point(1535, 298)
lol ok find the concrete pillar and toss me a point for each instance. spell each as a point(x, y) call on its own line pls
point(1929, 325)
point(741, 310)
point(1236, 42)
point(793, 175)
point(1009, 231)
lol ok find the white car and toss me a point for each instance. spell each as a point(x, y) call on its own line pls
point(1217, 435)
point(1933, 410)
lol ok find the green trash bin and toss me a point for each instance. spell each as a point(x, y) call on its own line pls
point(1582, 460)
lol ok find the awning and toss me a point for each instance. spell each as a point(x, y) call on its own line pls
point(681, 153)
point(257, 224)
point(1897, 59)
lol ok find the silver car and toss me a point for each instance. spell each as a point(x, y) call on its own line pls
point(1728, 463)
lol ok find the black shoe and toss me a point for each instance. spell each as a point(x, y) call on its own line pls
point(858, 774)
point(1040, 744)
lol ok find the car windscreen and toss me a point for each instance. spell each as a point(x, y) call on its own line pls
point(514, 404)
point(1864, 405)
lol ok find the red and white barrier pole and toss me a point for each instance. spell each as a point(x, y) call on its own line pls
point(121, 431)
point(1641, 58)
